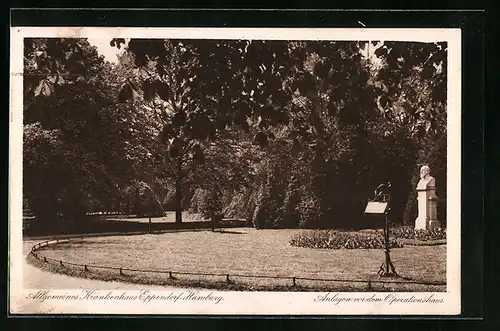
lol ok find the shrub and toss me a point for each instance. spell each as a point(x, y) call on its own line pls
point(209, 203)
point(242, 205)
point(289, 218)
point(407, 232)
point(262, 214)
point(194, 205)
point(156, 209)
point(268, 206)
point(259, 217)
point(310, 214)
point(141, 201)
point(169, 200)
point(329, 239)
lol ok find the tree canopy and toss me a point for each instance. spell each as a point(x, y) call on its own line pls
point(285, 133)
point(80, 144)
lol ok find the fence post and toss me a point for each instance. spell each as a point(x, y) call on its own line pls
point(85, 268)
point(44, 259)
point(294, 284)
point(170, 275)
point(227, 278)
point(121, 271)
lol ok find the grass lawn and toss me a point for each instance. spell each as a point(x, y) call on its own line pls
point(246, 251)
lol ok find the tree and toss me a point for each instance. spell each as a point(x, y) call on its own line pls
point(414, 81)
point(163, 75)
point(92, 145)
point(227, 170)
point(324, 99)
point(141, 200)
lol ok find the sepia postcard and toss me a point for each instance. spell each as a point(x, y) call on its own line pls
point(235, 171)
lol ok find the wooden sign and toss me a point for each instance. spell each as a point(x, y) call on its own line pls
point(376, 207)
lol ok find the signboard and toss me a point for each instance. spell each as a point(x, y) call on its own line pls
point(376, 207)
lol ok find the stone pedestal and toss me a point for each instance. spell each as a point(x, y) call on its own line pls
point(427, 208)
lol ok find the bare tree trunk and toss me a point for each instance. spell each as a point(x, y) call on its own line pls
point(410, 212)
point(178, 191)
point(316, 113)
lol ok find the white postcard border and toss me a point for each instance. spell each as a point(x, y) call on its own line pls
point(258, 303)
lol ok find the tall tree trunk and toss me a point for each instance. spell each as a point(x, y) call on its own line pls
point(178, 191)
point(316, 121)
point(410, 212)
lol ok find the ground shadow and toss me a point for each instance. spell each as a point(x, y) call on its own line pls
point(99, 225)
point(229, 232)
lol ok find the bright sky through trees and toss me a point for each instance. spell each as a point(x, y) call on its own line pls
point(105, 49)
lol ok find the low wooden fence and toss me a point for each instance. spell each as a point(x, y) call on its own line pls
point(228, 277)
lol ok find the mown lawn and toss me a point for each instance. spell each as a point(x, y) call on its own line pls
point(248, 251)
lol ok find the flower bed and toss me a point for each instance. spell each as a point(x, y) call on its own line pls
point(330, 239)
point(420, 235)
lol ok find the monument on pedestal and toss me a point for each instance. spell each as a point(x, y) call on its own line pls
point(427, 201)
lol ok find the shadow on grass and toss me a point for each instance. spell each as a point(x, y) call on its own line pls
point(228, 232)
point(105, 224)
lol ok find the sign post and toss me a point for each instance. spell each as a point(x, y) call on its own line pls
point(380, 205)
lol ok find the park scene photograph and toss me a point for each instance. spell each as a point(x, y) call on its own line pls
point(235, 164)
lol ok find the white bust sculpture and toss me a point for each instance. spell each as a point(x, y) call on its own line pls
point(426, 180)
point(427, 201)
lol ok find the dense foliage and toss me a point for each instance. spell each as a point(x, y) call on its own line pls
point(281, 133)
point(81, 147)
point(140, 200)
